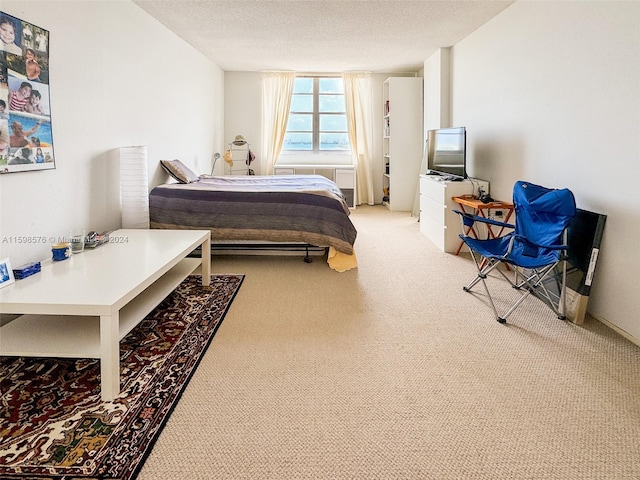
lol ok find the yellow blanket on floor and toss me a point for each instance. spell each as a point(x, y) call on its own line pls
point(341, 262)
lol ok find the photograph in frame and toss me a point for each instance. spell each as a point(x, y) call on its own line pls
point(26, 138)
point(6, 273)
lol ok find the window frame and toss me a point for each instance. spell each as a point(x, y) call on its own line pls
point(315, 116)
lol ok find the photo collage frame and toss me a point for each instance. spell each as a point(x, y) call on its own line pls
point(26, 138)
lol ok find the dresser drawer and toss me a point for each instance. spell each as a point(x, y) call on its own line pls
point(433, 189)
point(433, 230)
point(430, 208)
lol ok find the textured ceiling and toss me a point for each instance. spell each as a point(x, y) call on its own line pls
point(321, 35)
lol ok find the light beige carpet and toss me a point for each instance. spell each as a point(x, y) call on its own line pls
point(391, 371)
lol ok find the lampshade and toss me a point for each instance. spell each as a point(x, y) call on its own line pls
point(134, 187)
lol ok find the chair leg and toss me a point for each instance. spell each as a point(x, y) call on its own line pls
point(542, 293)
point(484, 267)
point(532, 283)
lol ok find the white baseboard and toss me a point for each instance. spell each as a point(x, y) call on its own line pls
point(617, 329)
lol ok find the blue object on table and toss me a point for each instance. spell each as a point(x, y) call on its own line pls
point(61, 251)
point(26, 270)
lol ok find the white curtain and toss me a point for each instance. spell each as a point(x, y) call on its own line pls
point(277, 88)
point(358, 94)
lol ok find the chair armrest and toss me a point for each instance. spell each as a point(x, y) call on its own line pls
point(556, 246)
point(468, 219)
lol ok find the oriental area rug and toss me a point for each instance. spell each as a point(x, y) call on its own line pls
point(53, 424)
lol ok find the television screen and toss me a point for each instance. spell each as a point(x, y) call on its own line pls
point(446, 152)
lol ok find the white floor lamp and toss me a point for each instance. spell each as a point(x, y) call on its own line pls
point(134, 187)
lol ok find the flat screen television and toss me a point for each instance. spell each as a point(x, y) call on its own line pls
point(447, 152)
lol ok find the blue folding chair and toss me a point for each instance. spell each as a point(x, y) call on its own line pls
point(534, 246)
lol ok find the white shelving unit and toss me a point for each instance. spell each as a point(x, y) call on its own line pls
point(239, 154)
point(401, 140)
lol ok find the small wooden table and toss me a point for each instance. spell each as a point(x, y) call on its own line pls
point(476, 207)
point(83, 306)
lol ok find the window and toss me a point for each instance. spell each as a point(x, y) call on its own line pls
point(317, 119)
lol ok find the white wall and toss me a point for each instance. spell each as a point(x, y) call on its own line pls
point(118, 78)
point(437, 89)
point(243, 113)
point(549, 93)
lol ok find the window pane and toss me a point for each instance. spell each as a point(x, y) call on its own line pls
point(331, 103)
point(303, 85)
point(297, 141)
point(334, 141)
point(302, 103)
point(333, 123)
point(300, 123)
point(331, 85)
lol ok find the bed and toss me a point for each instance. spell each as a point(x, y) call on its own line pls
point(280, 210)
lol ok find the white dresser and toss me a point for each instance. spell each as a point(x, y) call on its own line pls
point(438, 222)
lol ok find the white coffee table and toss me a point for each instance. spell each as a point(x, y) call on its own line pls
point(83, 306)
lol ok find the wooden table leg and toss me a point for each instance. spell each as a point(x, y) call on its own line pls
point(469, 230)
